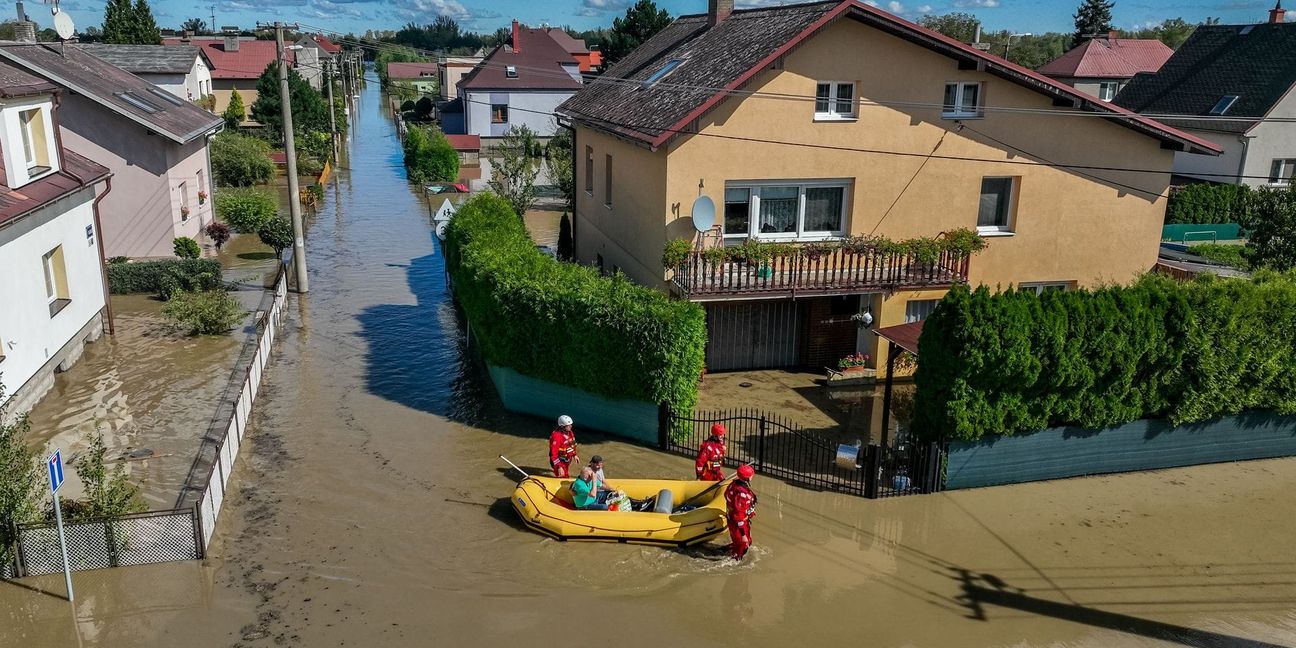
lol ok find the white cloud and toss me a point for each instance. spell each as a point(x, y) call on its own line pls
point(426, 9)
point(871, 3)
point(976, 4)
point(925, 9)
point(599, 7)
point(895, 7)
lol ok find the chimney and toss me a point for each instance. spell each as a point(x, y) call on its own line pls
point(1113, 35)
point(718, 10)
point(186, 36)
point(1276, 14)
point(517, 37)
point(25, 32)
point(231, 39)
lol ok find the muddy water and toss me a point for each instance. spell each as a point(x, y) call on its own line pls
point(370, 509)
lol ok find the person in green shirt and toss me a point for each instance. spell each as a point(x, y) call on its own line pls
point(585, 492)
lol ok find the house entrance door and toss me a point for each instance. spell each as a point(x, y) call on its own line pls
point(753, 335)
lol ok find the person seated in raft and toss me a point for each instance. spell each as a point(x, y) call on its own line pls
point(585, 492)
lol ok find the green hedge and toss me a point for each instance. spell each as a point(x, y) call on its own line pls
point(1207, 204)
point(164, 276)
point(1002, 364)
point(565, 323)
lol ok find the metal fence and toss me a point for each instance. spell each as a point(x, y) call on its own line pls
point(780, 448)
point(182, 533)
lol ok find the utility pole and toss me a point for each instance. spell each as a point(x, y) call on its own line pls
point(328, 81)
point(290, 150)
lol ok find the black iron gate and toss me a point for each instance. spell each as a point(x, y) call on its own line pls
point(780, 448)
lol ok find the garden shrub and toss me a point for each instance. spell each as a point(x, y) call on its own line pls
point(424, 107)
point(429, 157)
point(278, 234)
point(1206, 203)
point(21, 476)
point(108, 494)
point(218, 232)
point(1017, 362)
point(162, 277)
point(240, 160)
point(246, 210)
point(407, 106)
point(1229, 255)
point(203, 312)
point(565, 323)
point(186, 248)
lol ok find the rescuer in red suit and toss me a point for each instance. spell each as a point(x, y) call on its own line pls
point(711, 456)
point(742, 508)
point(562, 447)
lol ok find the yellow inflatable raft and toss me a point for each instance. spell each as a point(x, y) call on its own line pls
point(545, 505)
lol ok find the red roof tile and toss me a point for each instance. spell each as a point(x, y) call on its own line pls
point(328, 45)
point(248, 62)
point(465, 142)
point(1109, 58)
point(410, 70)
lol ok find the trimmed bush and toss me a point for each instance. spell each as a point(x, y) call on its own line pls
point(162, 277)
point(429, 156)
point(565, 323)
point(1205, 203)
point(239, 160)
point(1009, 363)
point(278, 234)
point(186, 248)
point(1229, 255)
point(407, 106)
point(424, 107)
point(246, 210)
point(218, 232)
point(204, 312)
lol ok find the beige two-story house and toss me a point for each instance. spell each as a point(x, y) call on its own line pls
point(816, 122)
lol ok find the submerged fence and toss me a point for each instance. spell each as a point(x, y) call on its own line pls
point(777, 447)
point(181, 533)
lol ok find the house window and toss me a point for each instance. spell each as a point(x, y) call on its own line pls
point(1282, 172)
point(962, 100)
point(917, 310)
point(589, 170)
point(1041, 287)
point(56, 289)
point(499, 113)
point(607, 180)
point(510, 71)
point(995, 210)
point(184, 201)
point(36, 149)
point(834, 100)
point(785, 210)
point(1107, 90)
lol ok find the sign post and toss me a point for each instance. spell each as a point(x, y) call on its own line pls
point(55, 467)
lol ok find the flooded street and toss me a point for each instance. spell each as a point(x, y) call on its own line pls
point(370, 508)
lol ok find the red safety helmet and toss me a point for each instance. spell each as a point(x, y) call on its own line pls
point(745, 471)
point(717, 430)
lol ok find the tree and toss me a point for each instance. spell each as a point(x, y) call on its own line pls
point(20, 477)
point(1270, 221)
point(246, 210)
point(958, 25)
point(127, 24)
point(309, 108)
point(566, 244)
point(394, 55)
point(240, 160)
point(1172, 31)
point(423, 107)
point(513, 170)
point(146, 29)
point(195, 25)
point(235, 112)
point(1092, 17)
point(640, 23)
point(559, 162)
point(429, 157)
point(278, 234)
point(108, 494)
point(218, 232)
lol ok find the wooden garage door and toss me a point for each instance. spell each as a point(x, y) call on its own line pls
point(753, 335)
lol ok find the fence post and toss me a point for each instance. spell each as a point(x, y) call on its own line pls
point(663, 425)
point(199, 550)
point(872, 465)
point(19, 567)
point(760, 446)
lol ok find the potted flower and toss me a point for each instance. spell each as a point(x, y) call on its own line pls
point(202, 197)
point(184, 213)
point(852, 370)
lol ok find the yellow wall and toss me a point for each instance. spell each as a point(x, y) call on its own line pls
point(248, 94)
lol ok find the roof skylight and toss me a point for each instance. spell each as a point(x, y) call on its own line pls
point(661, 73)
point(166, 96)
point(1223, 104)
point(138, 102)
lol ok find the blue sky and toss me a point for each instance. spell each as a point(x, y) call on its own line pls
point(1034, 16)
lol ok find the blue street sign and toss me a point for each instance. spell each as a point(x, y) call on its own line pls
point(55, 466)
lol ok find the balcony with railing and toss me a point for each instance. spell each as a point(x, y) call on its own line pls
point(819, 270)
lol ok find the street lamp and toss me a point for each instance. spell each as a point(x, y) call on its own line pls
point(1008, 47)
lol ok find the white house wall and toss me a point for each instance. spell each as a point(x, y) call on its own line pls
point(1271, 141)
point(531, 109)
point(31, 339)
point(1222, 168)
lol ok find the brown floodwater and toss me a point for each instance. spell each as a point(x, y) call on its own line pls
point(369, 508)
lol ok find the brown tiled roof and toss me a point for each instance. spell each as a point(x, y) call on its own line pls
point(726, 57)
point(904, 336)
point(108, 85)
point(539, 65)
point(17, 83)
point(77, 173)
point(397, 70)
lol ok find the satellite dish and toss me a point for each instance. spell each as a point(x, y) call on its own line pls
point(63, 24)
point(704, 214)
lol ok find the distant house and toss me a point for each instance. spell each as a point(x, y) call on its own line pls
point(52, 288)
point(236, 64)
point(327, 48)
point(422, 76)
point(519, 83)
point(589, 60)
point(1231, 78)
point(154, 142)
point(450, 69)
point(181, 70)
point(1103, 65)
point(913, 134)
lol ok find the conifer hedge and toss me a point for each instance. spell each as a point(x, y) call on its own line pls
point(1014, 362)
point(565, 323)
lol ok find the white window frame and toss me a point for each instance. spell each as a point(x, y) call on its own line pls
point(1281, 171)
point(51, 281)
point(1103, 86)
point(801, 234)
point(957, 112)
point(1010, 218)
point(834, 97)
point(1039, 287)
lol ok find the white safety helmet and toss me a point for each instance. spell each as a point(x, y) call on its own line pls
point(564, 420)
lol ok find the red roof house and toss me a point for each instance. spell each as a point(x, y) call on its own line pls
point(1102, 66)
